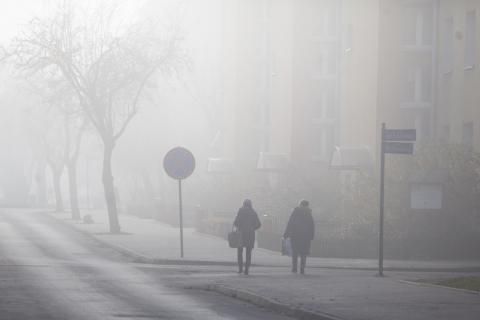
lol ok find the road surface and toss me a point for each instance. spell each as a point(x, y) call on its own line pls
point(48, 271)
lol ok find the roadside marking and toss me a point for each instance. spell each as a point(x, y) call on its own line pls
point(425, 284)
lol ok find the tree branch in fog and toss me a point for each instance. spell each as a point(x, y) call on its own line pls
point(58, 113)
point(106, 63)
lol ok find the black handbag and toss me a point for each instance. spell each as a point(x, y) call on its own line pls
point(235, 239)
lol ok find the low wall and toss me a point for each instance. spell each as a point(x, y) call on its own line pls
point(426, 248)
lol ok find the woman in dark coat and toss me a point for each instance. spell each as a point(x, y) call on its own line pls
point(246, 222)
point(301, 230)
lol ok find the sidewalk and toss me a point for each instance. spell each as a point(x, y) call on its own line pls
point(332, 288)
point(156, 241)
point(349, 294)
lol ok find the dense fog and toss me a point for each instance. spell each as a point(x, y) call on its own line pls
point(278, 100)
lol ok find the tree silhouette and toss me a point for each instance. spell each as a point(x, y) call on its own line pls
point(109, 64)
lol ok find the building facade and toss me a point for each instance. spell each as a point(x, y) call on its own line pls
point(458, 107)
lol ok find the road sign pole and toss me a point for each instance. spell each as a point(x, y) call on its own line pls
point(382, 196)
point(179, 164)
point(181, 215)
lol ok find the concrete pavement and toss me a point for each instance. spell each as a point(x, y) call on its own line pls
point(153, 240)
point(350, 294)
point(48, 272)
point(332, 288)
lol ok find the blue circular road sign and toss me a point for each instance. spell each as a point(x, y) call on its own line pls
point(179, 163)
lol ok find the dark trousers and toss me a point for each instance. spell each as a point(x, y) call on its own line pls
point(248, 257)
point(303, 261)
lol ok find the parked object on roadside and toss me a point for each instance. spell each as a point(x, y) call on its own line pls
point(246, 222)
point(301, 230)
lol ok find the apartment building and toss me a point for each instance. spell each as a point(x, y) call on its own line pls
point(337, 69)
point(407, 65)
point(458, 81)
point(425, 56)
point(287, 81)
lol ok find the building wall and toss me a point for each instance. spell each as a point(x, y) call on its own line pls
point(262, 76)
point(359, 87)
point(458, 115)
point(338, 69)
point(279, 125)
point(407, 50)
point(316, 81)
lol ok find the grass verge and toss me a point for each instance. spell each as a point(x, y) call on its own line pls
point(468, 283)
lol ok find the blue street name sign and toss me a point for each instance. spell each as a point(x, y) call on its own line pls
point(400, 135)
point(398, 147)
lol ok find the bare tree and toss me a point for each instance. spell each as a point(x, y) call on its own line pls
point(108, 64)
point(59, 102)
point(74, 131)
point(45, 132)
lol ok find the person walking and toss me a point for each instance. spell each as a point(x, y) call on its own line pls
point(246, 222)
point(301, 230)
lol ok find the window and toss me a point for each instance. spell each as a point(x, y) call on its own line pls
point(418, 27)
point(448, 44)
point(467, 134)
point(323, 141)
point(264, 126)
point(417, 88)
point(326, 18)
point(425, 91)
point(470, 39)
point(349, 38)
point(445, 134)
point(422, 125)
point(325, 60)
point(324, 106)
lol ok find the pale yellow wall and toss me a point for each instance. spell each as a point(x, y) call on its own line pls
point(281, 26)
point(228, 62)
point(395, 58)
point(459, 90)
point(371, 77)
point(359, 87)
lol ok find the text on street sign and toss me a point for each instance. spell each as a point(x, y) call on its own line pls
point(400, 135)
point(398, 147)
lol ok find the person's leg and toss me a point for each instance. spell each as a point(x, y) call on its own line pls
point(240, 259)
point(294, 261)
point(303, 262)
point(248, 259)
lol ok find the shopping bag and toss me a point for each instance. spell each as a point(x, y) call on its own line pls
point(234, 239)
point(286, 247)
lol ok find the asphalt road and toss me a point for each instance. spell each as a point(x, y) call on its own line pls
point(48, 271)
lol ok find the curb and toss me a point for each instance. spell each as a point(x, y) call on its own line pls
point(267, 303)
point(126, 252)
point(432, 285)
point(139, 258)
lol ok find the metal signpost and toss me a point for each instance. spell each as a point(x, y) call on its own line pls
point(179, 164)
point(393, 141)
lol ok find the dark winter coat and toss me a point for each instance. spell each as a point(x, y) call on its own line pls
point(300, 229)
point(247, 222)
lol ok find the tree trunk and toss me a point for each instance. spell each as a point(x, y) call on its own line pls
point(72, 187)
point(57, 176)
point(109, 188)
point(41, 180)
